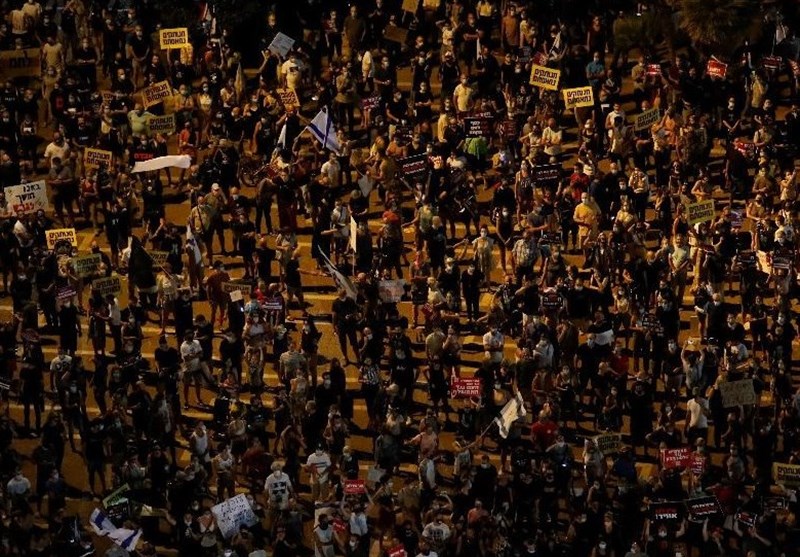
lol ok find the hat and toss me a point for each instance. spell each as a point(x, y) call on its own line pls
point(215, 187)
point(450, 261)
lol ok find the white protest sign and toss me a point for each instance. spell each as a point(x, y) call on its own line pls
point(27, 198)
point(281, 45)
point(233, 514)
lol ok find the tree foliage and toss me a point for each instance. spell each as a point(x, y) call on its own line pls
point(717, 26)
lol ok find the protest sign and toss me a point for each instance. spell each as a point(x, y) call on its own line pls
point(646, 119)
point(716, 69)
point(773, 503)
point(355, 487)
point(509, 129)
point(652, 70)
point(746, 518)
point(65, 292)
point(410, 6)
point(117, 496)
point(781, 261)
point(771, 63)
point(156, 93)
point(652, 324)
point(229, 287)
point(546, 175)
point(27, 198)
point(703, 507)
point(158, 257)
point(786, 474)
point(550, 237)
point(477, 127)
point(578, 97)
point(546, 78)
point(736, 393)
point(24, 62)
point(397, 551)
point(95, 158)
point(236, 296)
point(552, 300)
point(57, 235)
point(232, 514)
point(414, 167)
point(161, 124)
point(87, 265)
point(173, 38)
point(281, 45)
point(676, 458)
point(288, 98)
point(339, 525)
point(608, 443)
point(391, 291)
point(702, 211)
point(395, 34)
point(697, 464)
point(370, 103)
point(107, 285)
point(465, 387)
point(669, 511)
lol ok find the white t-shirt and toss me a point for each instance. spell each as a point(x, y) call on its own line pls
point(438, 534)
point(322, 463)
point(278, 487)
point(190, 353)
point(697, 417)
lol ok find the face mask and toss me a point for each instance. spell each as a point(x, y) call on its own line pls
point(318, 452)
point(505, 213)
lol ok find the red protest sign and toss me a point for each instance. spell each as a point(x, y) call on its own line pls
point(397, 551)
point(354, 487)
point(465, 387)
point(771, 63)
point(652, 70)
point(339, 526)
point(717, 69)
point(675, 458)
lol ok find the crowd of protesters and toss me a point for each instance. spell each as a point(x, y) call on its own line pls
point(486, 244)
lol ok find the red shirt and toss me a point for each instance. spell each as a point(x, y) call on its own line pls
point(543, 434)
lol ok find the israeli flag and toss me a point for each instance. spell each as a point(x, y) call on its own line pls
point(123, 537)
point(191, 241)
point(321, 127)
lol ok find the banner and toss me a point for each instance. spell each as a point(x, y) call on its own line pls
point(737, 393)
point(288, 98)
point(786, 474)
point(465, 387)
point(703, 507)
point(370, 103)
point(233, 514)
point(355, 487)
point(608, 443)
point(281, 45)
point(229, 287)
point(65, 292)
point(391, 291)
point(702, 211)
point(156, 93)
point(646, 119)
point(771, 63)
point(94, 158)
point(158, 257)
point(107, 285)
point(161, 124)
point(57, 235)
point(174, 38)
point(27, 198)
point(716, 69)
point(676, 458)
point(669, 511)
point(20, 63)
point(578, 97)
point(87, 265)
point(546, 78)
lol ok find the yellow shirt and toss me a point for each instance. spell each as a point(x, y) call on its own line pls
point(585, 216)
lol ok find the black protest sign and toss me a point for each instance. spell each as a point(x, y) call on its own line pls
point(652, 324)
point(414, 167)
point(547, 175)
point(668, 511)
point(477, 126)
point(552, 300)
point(703, 507)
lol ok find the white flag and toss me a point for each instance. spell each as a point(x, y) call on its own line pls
point(282, 138)
point(191, 241)
point(511, 412)
point(167, 161)
point(321, 127)
point(353, 234)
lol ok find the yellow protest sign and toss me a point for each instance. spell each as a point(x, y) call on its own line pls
point(161, 124)
point(24, 62)
point(174, 38)
point(786, 474)
point(93, 158)
point(60, 235)
point(156, 93)
point(108, 285)
point(87, 265)
point(288, 98)
point(578, 97)
point(546, 78)
point(702, 211)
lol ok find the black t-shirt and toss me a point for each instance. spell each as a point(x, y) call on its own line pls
point(168, 358)
point(345, 311)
